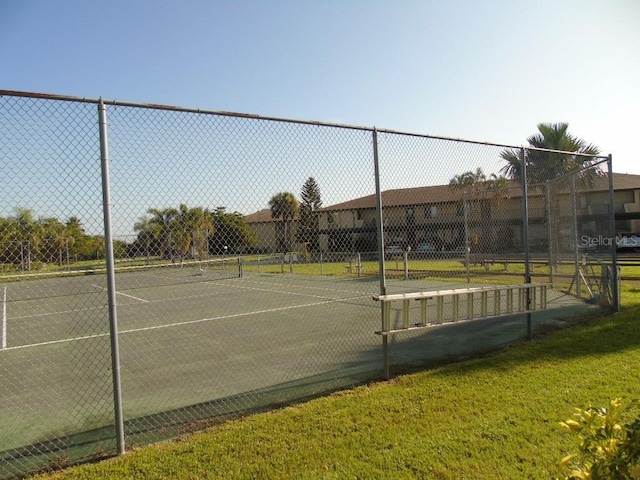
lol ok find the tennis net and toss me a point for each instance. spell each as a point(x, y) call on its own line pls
point(94, 280)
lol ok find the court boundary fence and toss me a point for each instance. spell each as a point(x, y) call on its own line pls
point(604, 163)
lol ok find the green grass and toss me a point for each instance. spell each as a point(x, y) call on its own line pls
point(495, 417)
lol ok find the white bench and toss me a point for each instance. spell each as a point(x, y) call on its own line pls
point(494, 301)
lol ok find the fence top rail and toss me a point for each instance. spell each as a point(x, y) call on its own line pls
point(455, 291)
point(71, 98)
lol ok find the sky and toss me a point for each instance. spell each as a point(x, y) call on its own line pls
point(481, 70)
point(487, 70)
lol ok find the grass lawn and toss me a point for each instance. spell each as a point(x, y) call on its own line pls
point(495, 417)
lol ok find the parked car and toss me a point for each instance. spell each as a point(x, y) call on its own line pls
point(425, 248)
point(394, 250)
point(628, 243)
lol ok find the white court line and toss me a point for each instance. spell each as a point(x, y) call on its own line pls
point(53, 342)
point(312, 286)
point(178, 324)
point(88, 309)
point(289, 292)
point(203, 295)
point(236, 315)
point(123, 294)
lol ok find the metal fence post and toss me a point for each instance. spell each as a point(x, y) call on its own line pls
point(405, 261)
point(111, 284)
point(612, 231)
point(467, 243)
point(3, 328)
point(552, 266)
point(380, 235)
point(574, 227)
point(525, 238)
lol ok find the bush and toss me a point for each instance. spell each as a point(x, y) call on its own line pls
point(609, 449)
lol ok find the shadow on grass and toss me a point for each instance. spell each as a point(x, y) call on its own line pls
point(587, 335)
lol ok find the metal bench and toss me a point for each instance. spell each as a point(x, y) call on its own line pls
point(494, 301)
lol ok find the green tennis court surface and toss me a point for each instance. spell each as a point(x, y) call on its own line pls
point(191, 339)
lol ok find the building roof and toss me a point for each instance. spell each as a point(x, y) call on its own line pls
point(444, 194)
point(261, 216)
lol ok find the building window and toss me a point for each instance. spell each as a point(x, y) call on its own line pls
point(584, 201)
point(409, 215)
point(431, 211)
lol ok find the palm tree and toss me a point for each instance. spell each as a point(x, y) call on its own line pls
point(148, 232)
point(554, 154)
point(28, 233)
point(471, 185)
point(181, 233)
point(284, 205)
point(499, 187)
point(570, 154)
point(56, 239)
point(468, 183)
point(6, 240)
point(162, 220)
point(198, 222)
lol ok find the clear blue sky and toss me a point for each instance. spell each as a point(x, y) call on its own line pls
point(482, 70)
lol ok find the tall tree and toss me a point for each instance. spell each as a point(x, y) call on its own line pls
point(232, 231)
point(285, 206)
point(148, 233)
point(499, 188)
point(181, 231)
point(199, 226)
point(162, 219)
point(28, 234)
point(469, 183)
point(6, 241)
point(308, 226)
point(480, 192)
point(55, 240)
point(569, 154)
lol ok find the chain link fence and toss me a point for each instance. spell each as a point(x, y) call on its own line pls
point(165, 268)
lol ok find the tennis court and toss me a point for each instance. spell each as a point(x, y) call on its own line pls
point(193, 335)
point(185, 338)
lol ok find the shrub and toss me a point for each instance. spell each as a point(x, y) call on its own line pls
point(609, 449)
